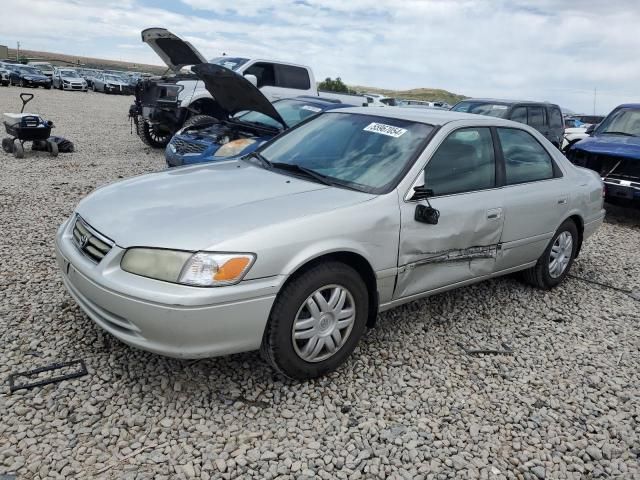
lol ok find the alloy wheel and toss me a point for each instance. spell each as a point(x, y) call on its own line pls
point(560, 254)
point(323, 323)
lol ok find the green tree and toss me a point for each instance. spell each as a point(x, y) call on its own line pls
point(331, 85)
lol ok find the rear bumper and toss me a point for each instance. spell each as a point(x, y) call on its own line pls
point(625, 189)
point(164, 318)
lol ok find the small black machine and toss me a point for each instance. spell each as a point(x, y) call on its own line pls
point(27, 127)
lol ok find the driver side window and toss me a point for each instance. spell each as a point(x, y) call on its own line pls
point(464, 162)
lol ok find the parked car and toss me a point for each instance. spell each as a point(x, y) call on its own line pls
point(68, 79)
point(87, 74)
point(109, 83)
point(613, 150)
point(247, 119)
point(544, 117)
point(45, 68)
point(295, 248)
point(573, 135)
point(163, 104)
point(26, 76)
point(4, 76)
point(378, 100)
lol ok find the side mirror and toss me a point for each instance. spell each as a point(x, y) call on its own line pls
point(591, 128)
point(253, 79)
point(425, 213)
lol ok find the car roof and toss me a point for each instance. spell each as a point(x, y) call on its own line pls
point(431, 116)
point(500, 101)
point(629, 105)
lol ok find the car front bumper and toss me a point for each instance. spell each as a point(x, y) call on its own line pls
point(624, 189)
point(74, 86)
point(168, 319)
point(37, 83)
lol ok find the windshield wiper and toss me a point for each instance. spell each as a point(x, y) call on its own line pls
point(258, 156)
point(626, 134)
point(307, 172)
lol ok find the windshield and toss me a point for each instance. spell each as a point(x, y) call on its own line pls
point(68, 73)
point(364, 152)
point(625, 121)
point(482, 108)
point(31, 70)
point(111, 78)
point(389, 101)
point(292, 112)
point(231, 63)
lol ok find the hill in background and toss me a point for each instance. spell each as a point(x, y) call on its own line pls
point(427, 94)
point(88, 62)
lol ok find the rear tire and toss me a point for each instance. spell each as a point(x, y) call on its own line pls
point(18, 150)
point(7, 145)
point(336, 336)
point(546, 274)
point(52, 148)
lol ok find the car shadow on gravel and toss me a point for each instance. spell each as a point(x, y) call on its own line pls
point(623, 215)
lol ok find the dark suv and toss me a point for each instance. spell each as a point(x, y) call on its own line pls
point(544, 117)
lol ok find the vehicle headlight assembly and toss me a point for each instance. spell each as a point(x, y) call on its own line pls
point(200, 269)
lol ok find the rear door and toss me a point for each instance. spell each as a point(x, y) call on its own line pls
point(535, 197)
point(556, 125)
point(463, 177)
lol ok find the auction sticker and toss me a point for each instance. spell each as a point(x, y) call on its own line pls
point(311, 109)
point(383, 129)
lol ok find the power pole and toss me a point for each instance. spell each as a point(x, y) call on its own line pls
point(18, 53)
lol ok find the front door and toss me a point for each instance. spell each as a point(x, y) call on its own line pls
point(463, 244)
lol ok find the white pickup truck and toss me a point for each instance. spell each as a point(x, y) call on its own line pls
point(163, 104)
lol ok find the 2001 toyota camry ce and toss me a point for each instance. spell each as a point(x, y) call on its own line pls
point(294, 249)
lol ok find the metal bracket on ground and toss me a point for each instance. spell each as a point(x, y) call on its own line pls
point(78, 366)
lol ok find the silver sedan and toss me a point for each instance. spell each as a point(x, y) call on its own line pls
point(294, 249)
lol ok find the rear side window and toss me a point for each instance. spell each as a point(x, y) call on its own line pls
point(519, 114)
point(264, 72)
point(465, 162)
point(555, 119)
point(289, 76)
point(536, 116)
point(525, 160)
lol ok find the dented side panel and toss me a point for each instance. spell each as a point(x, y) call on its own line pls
point(463, 245)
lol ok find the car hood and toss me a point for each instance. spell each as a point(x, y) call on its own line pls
point(621, 146)
point(173, 51)
point(195, 208)
point(233, 92)
point(35, 76)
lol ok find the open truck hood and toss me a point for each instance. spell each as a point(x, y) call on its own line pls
point(173, 51)
point(233, 92)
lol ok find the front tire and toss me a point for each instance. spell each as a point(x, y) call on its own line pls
point(316, 321)
point(151, 136)
point(200, 120)
point(554, 264)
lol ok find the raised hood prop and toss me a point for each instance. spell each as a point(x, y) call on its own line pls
point(233, 92)
point(173, 51)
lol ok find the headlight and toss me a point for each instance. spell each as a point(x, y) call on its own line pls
point(201, 269)
point(234, 148)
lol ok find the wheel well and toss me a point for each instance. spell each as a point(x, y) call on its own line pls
point(360, 265)
point(580, 226)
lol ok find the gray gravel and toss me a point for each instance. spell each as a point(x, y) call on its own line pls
point(409, 404)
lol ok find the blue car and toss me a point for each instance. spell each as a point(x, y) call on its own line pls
point(613, 150)
point(244, 121)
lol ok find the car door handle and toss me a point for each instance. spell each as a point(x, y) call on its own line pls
point(494, 213)
point(563, 200)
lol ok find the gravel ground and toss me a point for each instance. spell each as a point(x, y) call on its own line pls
point(409, 404)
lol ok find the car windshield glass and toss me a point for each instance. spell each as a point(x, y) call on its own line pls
point(624, 121)
point(30, 70)
point(68, 73)
point(231, 63)
point(292, 112)
point(111, 78)
point(482, 108)
point(364, 152)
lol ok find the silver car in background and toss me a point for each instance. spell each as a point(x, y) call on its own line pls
point(110, 83)
point(294, 249)
point(68, 79)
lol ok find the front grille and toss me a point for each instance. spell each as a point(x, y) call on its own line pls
point(92, 245)
point(183, 147)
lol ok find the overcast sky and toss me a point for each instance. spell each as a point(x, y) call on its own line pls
point(531, 49)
